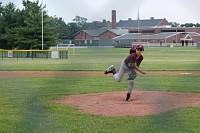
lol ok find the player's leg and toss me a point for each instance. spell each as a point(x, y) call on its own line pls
point(130, 88)
point(122, 70)
point(117, 75)
point(110, 69)
point(132, 75)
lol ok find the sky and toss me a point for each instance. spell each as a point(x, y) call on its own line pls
point(180, 11)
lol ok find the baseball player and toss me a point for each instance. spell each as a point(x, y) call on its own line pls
point(129, 65)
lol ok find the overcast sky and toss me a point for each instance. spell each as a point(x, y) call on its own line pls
point(181, 11)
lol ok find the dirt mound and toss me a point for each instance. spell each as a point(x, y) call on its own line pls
point(141, 103)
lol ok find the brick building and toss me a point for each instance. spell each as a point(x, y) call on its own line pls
point(153, 31)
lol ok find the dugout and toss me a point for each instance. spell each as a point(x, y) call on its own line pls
point(60, 54)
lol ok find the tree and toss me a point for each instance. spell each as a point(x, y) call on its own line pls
point(197, 25)
point(60, 26)
point(30, 35)
point(10, 19)
point(2, 27)
point(72, 27)
point(174, 24)
point(80, 22)
point(188, 25)
point(22, 29)
point(76, 26)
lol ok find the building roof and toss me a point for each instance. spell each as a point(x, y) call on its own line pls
point(193, 33)
point(95, 32)
point(118, 31)
point(97, 25)
point(144, 23)
point(162, 35)
point(128, 36)
point(140, 36)
point(139, 23)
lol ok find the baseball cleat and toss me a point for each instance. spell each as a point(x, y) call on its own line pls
point(128, 96)
point(110, 69)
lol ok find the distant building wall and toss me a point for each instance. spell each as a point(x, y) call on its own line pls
point(107, 35)
point(107, 43)
point(164, 22)
point(83, 36)
point(171, 39)
point(190, 29)
point(157, 30)
point(104, 39)
point(171, 29)
point(195, 39)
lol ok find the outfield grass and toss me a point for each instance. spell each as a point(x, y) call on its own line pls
point(177, 58)
point(25, 105)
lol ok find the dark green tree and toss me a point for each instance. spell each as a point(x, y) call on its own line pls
point(80, 22)
point(188, 25)
point(60, 26)
point(174, 24)
point(197, 25)
point(9, 20)
point(30, 35)
point(72, 27)
point(76, 26)
point(22, 29)
point(2, 27)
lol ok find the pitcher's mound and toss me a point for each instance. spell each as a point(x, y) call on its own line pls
point(141, 102)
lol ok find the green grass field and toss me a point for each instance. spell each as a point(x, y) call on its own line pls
point(25, 102)
point(177, 58)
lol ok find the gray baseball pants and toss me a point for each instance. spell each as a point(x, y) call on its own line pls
point(131, 75)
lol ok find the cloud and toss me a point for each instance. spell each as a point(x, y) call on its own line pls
point(96, 10)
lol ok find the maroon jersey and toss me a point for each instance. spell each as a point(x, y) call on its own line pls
point(132, 50)
point(132, 58)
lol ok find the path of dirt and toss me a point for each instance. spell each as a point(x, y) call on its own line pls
point(15, 74)
point(113, 103)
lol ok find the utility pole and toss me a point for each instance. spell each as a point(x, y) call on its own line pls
point(176, 35)
point(138, 17)
point(42, 26)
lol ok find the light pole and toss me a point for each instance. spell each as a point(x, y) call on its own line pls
point(139, 33)
point(176, 35)
point(42, 27)
point(177, 26)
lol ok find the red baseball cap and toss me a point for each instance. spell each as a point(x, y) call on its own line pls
point(140, 47)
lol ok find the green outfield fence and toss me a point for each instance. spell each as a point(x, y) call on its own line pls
point(56, 54)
